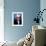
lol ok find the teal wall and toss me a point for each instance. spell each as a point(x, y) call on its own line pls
point(29, 8)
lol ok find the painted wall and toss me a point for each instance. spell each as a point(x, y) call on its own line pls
point(43, 6)
point(29, 8)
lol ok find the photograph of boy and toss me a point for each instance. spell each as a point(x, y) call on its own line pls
point(17, 19)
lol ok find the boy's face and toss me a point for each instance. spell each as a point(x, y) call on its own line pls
point(18, 17)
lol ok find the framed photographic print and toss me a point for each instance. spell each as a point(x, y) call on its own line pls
point(17, 18)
